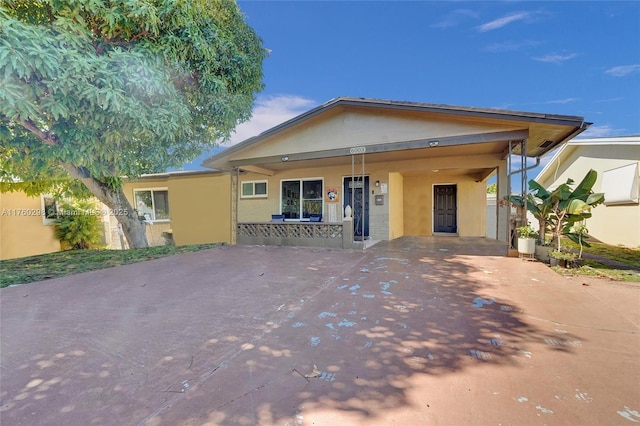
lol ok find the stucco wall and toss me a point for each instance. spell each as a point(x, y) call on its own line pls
point(261, 209)
point(199, 208)
point(22, 232)
point(612, 224)
point(407, 208)
point(355, 127)
point(396, 205)
point(418, 204)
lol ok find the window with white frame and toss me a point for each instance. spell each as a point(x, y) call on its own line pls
point(300, 198)
point(153, 204)
point(49, 209)
point(254, 189)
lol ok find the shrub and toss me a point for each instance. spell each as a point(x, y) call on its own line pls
point(78, 225)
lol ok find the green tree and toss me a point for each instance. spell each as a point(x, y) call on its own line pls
point(563, 207)
point(492, 188)
point(100, 89)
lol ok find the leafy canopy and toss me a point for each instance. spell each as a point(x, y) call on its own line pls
point(123, 87)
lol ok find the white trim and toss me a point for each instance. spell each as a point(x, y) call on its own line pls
point(609, 140)
point(253, 182)
point(158, 188)
point(433, 216)
point(46, 221)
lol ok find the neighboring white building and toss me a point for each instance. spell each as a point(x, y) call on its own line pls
point(617, 161)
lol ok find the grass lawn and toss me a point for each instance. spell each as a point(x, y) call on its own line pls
point(54, 265)
point(603, 260)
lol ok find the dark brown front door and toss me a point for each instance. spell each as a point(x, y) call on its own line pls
point(444, 209)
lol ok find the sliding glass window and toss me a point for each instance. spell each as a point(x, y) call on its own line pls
point(301, 198)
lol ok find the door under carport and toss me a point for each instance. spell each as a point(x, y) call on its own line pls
point(445, 209)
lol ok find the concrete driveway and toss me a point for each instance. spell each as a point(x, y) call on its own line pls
point(443, 331)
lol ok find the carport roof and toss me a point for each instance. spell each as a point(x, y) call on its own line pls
point(539, 141)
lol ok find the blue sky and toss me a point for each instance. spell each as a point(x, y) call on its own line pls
point(561, 57)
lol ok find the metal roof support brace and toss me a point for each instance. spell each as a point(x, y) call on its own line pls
point(364, 195)
point(235, 179)
point(364, 198)
point(523, 181)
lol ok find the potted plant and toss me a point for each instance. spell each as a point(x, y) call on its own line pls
point(561, 258)
point(526, 240)
point(559, 209)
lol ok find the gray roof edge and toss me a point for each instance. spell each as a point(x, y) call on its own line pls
point(177, 173)
point(406, 105)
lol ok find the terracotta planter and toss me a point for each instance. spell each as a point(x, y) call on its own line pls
point(526, 245)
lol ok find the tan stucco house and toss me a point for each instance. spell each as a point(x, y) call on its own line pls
point(25, 229)
point(403, 168)
point(190, 207)
point(617, 161)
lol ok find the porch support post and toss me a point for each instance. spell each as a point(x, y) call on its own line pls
point(235, 177)
point(365, 197)
point(347, 233)
point(504, 209)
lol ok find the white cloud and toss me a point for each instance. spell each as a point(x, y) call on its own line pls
point(505, 20)
point(599, 131)
point(269, 112)
point(555, 58)
point(562, 101)
point(609, 100)
point(510, 46)
point(455, 18)
point(622, 70)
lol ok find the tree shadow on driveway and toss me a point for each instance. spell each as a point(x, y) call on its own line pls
point(358, 345)
point(258, 335)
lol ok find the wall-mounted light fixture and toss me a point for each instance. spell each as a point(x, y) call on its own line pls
point(377, 183)
point(285, 158)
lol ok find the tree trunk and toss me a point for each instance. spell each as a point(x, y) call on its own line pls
point(542, 225)
point(132, 227)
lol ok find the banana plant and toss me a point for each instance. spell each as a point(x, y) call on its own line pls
point(566, 206)
point(540, 208)
point(559, 209)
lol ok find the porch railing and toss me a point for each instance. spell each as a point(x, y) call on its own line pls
point(307, 234)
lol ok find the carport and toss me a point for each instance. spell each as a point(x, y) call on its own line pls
point(403, 168)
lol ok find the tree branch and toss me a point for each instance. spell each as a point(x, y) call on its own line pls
point(45, 137)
